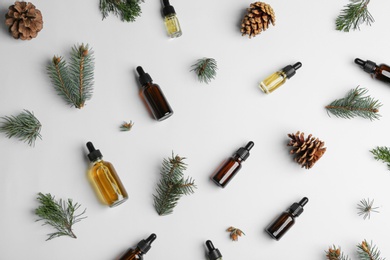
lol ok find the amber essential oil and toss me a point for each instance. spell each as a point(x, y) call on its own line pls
point(380, 72)
point(142, 248)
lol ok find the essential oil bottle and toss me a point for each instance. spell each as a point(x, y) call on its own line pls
point(231, 166)
point(153, 96)
point(278, 78)
point(380, 72)
point(286, 220)
point(142, 248)
point(104, 178)
point(213, 253)
point(170, 19)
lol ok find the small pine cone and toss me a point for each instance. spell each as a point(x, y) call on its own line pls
point(24, 20)
point(307, 151)
point(260, 15)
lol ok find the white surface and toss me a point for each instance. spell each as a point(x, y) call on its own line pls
point(209, 124)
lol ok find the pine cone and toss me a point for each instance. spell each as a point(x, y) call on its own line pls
point(307, 152)
point(260, 16)
point(24, 20)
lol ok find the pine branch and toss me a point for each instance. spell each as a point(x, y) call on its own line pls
point(126, 126)
point(58, 214)
point(172, 185)
point(205, 69)
point(353, 15)
point(334, 253)
point(127, 10)
point(367, 251)
point(25, 126)
point(382, 153)
point(365, 208)
point(355, 104)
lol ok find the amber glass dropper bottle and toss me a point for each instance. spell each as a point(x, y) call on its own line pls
point(380, 72)
point(142, 248)
point(154, 96)
point(278, 78)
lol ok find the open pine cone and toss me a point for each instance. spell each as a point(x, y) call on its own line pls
point(260, 15)
point(307, 151)
point(24, 20)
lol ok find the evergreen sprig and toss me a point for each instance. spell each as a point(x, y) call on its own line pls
point(335, 253)
point(367, 251)
point(25, 126)
point(366, 207)
point(205, 69)
point(172, 185)
point(382, 153)
point(61, 215)
point(127, 10)
point(353, 15)
point(126, 126)
point(74, 81)
point(355, 104)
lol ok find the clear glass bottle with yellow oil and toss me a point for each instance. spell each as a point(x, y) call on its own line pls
point(170, 19)
point(104, 179)
point(278, 78)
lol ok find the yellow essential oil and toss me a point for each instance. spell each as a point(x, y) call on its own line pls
point(278, 78)
point(170, 19)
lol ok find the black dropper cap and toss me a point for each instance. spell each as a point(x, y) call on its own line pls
point(145, 244)
point(168, 8)
point(213, 253)
point(296, 209)
point(291, 70)
point(143, 77)
point(243, 152)
point(93, 153)
point(368, 66)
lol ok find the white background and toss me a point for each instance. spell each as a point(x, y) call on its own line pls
point(209, 124)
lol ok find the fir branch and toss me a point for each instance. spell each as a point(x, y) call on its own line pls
point(25, 126)
point(354, 14)
point(382, 153)
point(58, 214)
point(365, 208)
point(205, 69)
point(367, 251)
point(127, 10)
point(126, 126)
point(355, 104)
point(334, 253)
point(172, 185)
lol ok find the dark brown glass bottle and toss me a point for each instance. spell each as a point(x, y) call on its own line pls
point(231, 166)
point(142, 248)
point(380, 72)
point(153, 96)
point(286, 220)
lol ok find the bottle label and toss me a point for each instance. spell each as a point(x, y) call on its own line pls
point(386, 73)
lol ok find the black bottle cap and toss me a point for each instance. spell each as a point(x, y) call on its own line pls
point(93, 153)
point(290, 70)
point(145, 244)
point(296, 209)
point(213, 253)
point(243, 152)
point(168, 8)
point(368, 66)
point(143, 77)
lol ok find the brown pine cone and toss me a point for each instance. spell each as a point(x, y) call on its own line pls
point(24, 20)
point(307, 151)
point(260, 15)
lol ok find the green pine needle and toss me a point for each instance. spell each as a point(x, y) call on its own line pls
point(353, 15)
point(335, 253)
point(205, 69)
point(367, 251)
point(126, 126)
point(25, 126)
point(61, 215)
point(366, 207)
point(355, 104)
point(382, 153)
point(172, 185)
point(127, 10)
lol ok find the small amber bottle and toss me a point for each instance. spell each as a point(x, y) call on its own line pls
point(231, 166)
point(380, 72)
point(105, 179)
point(142, 248)
point(278, 78)
point(213, 253)
point(153, 96)
point(170, 19)
point(286, 220)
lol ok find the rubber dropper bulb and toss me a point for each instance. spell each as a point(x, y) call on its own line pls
point(297, 65)
point(303, 201)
